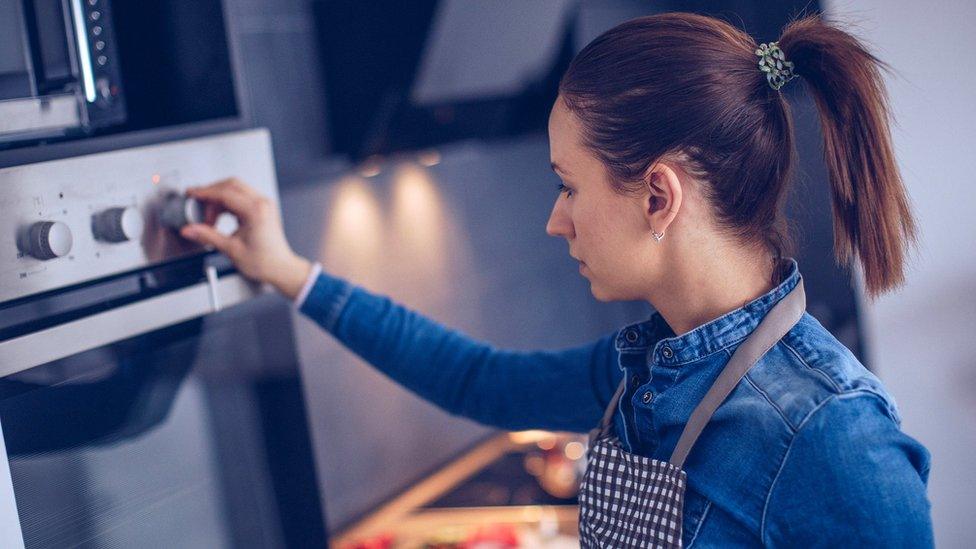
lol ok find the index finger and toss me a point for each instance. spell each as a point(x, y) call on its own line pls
point(231, 194)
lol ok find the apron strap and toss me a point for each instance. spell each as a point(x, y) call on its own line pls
point(777, 322)
point(603, 429)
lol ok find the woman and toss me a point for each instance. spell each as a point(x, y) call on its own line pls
point(730, 417)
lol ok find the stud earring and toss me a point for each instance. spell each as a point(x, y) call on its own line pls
point(657, 236)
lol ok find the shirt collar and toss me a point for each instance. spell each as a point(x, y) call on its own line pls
point(673, 350)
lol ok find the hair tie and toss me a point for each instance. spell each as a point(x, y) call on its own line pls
point(773, 62)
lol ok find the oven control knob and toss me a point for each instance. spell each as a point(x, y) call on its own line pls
point(49, 239)
point(179, 210)
point(118, 224)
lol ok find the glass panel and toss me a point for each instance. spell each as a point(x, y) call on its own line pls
point(52, 41)
point(14, 76)
point(194, 435)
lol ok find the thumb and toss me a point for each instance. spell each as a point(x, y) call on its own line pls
point(205, 234)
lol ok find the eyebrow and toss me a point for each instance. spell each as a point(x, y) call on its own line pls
point(557, 168)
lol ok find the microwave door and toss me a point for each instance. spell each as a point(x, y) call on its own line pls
point(51, 36)
point(15, 72)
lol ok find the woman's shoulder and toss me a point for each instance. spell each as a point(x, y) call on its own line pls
point(807, 404)
point(809, 367)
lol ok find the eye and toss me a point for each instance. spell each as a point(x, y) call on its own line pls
point(564, 189)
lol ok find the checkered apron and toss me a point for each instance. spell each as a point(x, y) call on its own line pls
point(628, 500)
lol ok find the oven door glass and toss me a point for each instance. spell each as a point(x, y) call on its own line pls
point(14, 74)
point(190, 436)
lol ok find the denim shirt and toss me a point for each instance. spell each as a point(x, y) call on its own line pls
point(806, 450)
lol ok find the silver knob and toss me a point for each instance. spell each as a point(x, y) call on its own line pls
point(49, 239)
point(118, 224)
point(179, 210)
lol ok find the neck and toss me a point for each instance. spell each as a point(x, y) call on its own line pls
point(699, 291)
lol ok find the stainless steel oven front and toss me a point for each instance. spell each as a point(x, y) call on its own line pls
point(149, 395)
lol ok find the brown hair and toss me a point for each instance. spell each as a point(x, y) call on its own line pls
point(687, 85)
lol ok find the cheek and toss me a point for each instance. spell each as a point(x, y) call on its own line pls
point(610, 239)
point(606, 230)
point(597, 242)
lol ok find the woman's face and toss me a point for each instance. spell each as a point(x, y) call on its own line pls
point(606, 231)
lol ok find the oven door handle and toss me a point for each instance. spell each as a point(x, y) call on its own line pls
point(107, 327)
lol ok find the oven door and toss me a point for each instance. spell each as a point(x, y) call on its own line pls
point(191, 433)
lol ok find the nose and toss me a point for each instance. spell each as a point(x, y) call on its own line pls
point(560, 223)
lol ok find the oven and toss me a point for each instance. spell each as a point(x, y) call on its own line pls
point(149, 394)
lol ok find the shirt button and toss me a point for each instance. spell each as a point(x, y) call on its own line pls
point(635, 382)
point(648, 396)
point(631, 336)
point(667, 352)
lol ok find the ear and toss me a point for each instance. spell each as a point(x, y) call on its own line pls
point(663, 200)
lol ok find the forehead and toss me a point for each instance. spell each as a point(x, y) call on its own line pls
point(564, 135)
point(566, 147)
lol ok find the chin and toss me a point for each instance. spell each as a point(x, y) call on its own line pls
point(606, 295)
point(600, 294)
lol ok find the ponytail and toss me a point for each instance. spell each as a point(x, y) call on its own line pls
point(872, 218)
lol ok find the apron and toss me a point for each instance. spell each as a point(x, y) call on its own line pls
point(627, 500)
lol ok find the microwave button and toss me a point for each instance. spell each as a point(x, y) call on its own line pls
point(104, 88)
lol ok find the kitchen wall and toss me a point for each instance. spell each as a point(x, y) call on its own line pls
point(920, 338)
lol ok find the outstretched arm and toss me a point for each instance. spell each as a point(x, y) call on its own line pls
point(564, 390)
point(558, 390)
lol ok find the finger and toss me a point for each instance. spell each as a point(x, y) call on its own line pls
point(212, 211)
point(230, 194)
point(230, 183)
point(207, 235)
point(224, 196)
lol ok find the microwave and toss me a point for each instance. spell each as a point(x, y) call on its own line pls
point(59, 69)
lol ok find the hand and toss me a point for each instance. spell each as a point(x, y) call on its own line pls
point(258, 247)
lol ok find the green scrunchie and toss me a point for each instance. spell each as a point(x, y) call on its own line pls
point(778, 70)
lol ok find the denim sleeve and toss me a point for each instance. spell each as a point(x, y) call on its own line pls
point(564, 390)
point(850, 478)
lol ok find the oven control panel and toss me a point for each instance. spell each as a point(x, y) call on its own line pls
point(69, 221)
